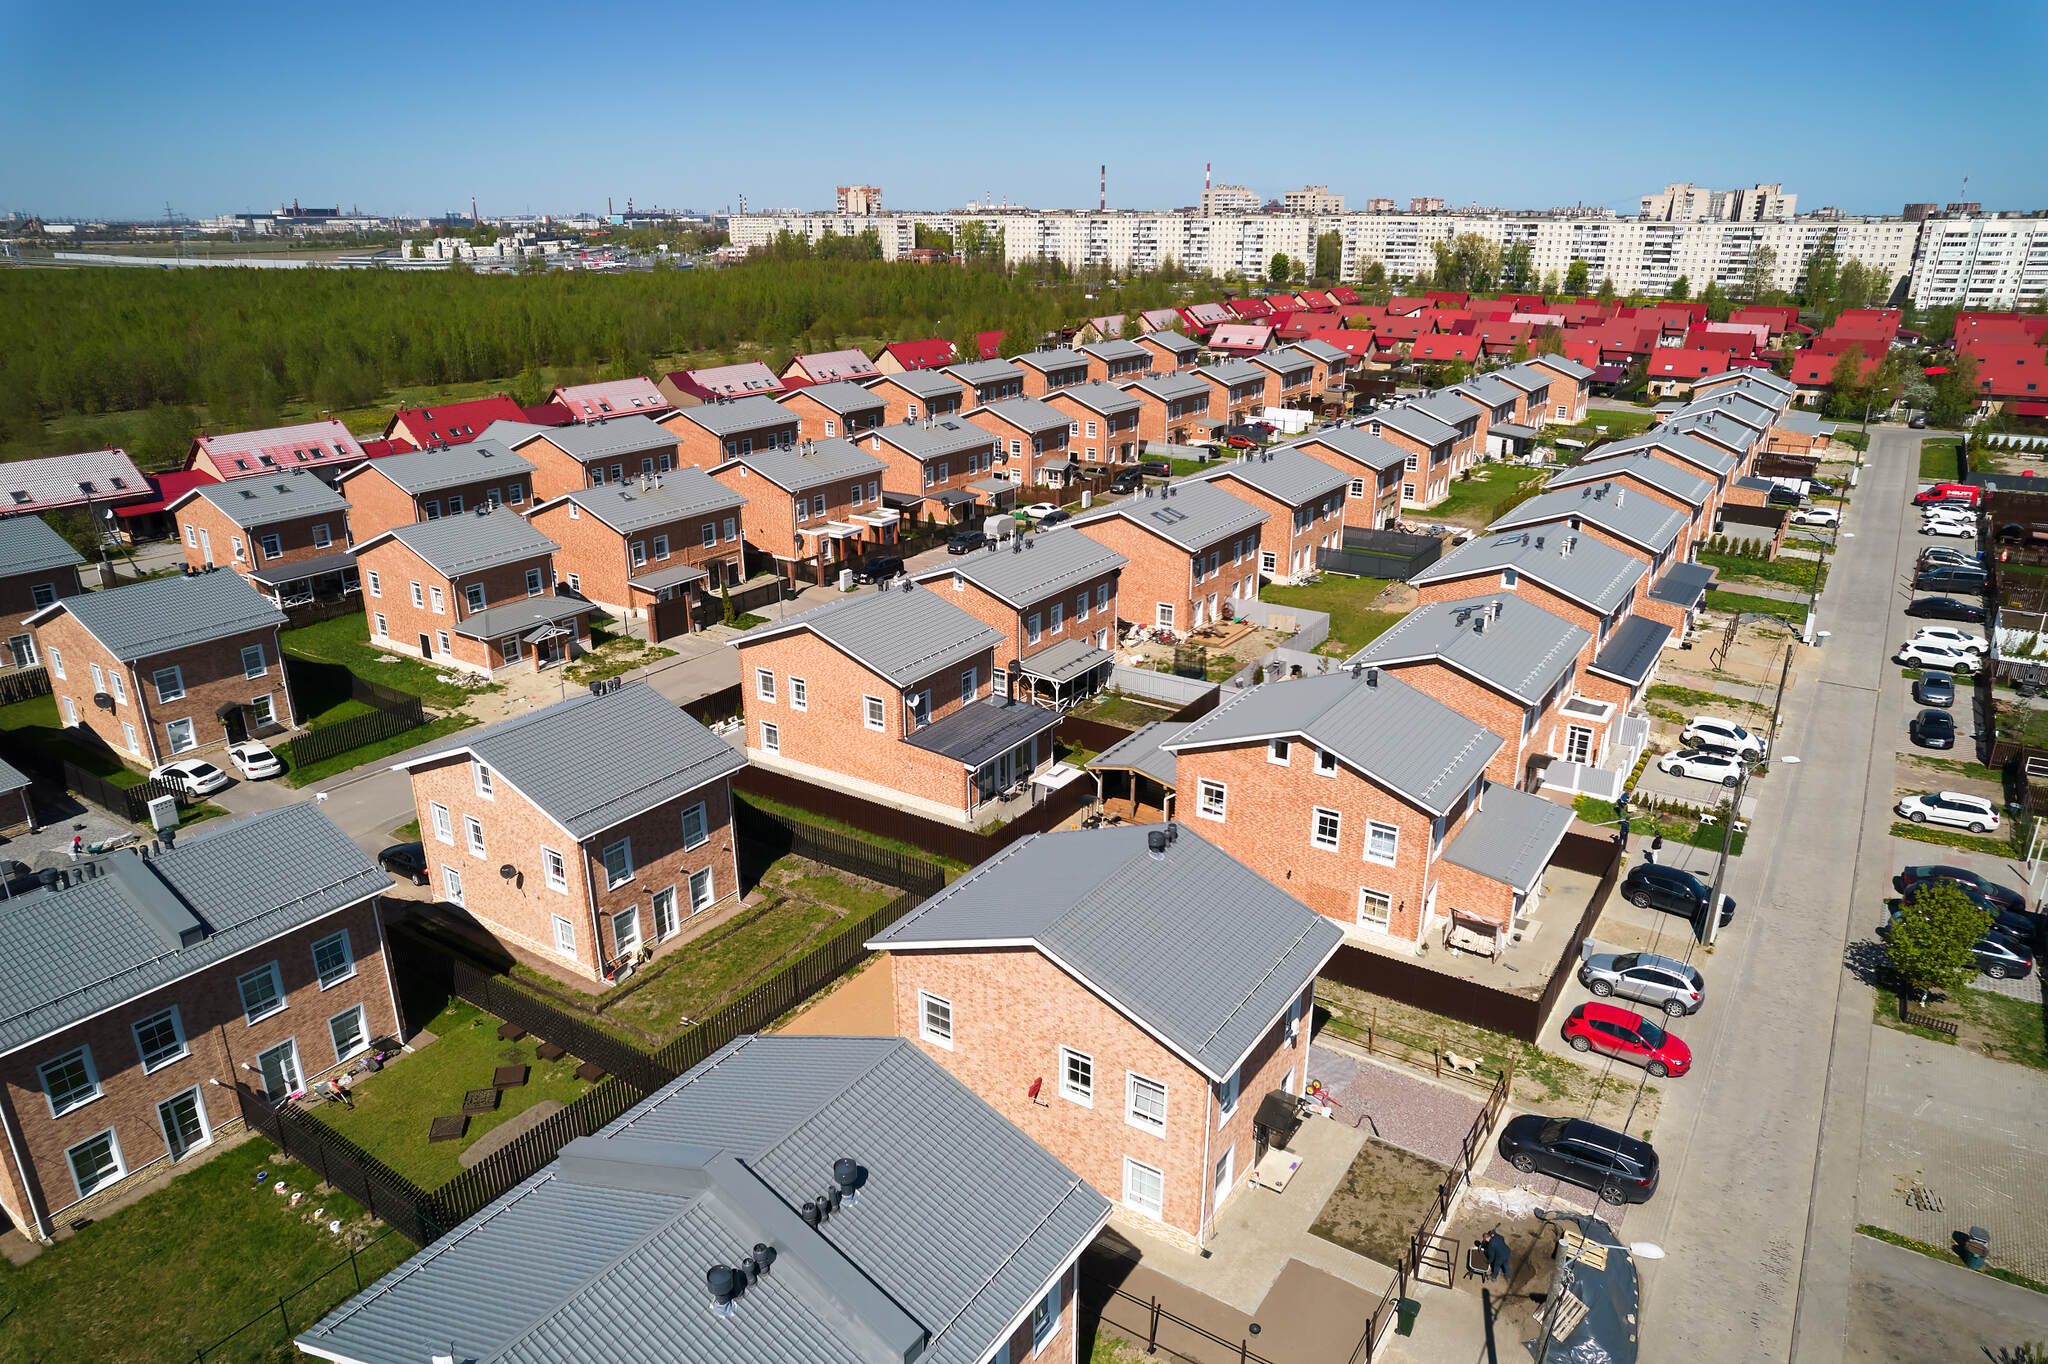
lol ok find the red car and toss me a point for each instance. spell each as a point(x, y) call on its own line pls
point(1627, 1037)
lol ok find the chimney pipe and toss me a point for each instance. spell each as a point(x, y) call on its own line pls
point(846, 1174)
point(723, 1283)
point(1155, 842)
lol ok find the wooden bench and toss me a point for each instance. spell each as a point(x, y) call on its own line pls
point(1914, 1018)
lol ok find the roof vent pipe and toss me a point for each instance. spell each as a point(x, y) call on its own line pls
point(846, 1174)
point(1372, 677)
point(722, 1283)
point(764, 1256)
point(1155, 842)
point(809, 1212)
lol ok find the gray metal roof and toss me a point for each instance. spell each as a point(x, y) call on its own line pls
point(1723, 428)
point(1169, 339)
point(1065, 661)
point(1048, 564)
point(627, 507)
point(591, 761)
point(1751, 406)
point(1045, 361)
point(1767, 377)
point(1509, 644)
point(11, 778)
point(1142, 752)
point(1194, 946)
point(299, 570)
point(794, 468)
point(1563, 365)
point(1510, 838)
point(520, 615)
point(924, 383)
point(1659, 474)
point(1683, 584)
point(1233, 373)
point(949, 435)
point(1416, 424)
point(1806, 423)
point(262, 499)
point(1415, 746)
point(1116, 349)
point(1449, 410)
point(1322, 350)
point(139, 925)
point(1356, 444)
point(1284, 360)
point(628, 435)
point(425, 471)
point(1196, 516)
point(1573, 565)
point(674, 575)
point(29, 545)
point(741, 414)
point(958, 1223)
point(1108, 399)
point(979, 373)
point(904, 636)
point(1028, 414)
point(161, 614)
point(469, 543)
point(1489, 390)
point(843, 396)
point(1168, 387)
point(984, 730)
point(1631, 650)
point(1293, 477)
point(1638, 519)
point(1525, 377)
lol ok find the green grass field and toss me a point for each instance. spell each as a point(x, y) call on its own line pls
point(1477, 500)
point(1348, 601)
point(1938, 459)
point(298, 774)
point(345, 641)
point(1620, 421)
point(35, 724)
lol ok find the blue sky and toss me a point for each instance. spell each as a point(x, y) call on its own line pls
point(117, 108)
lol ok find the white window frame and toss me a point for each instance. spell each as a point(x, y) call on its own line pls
point(927, 1003)
point(481, 780)
point(1227, 1096)
point(1083, 1095)
point(554, 870)
point(437, 599)
point(451, 884)
point(764, 685)
point(185, 728)
point(771, 737)
point(331, 976)
point(1205, 808)
point(272, 545)
point(474, 597)
point(441, 642)
point(362, 1017)
point(799, 694)
point(150, 1065)
point(704, 880)
point(1316, 837)
point(874, 714)
point(383, 625)
point(322, 537)
point(77, 1098)
point(131, 738)
point(1383, 920)
point(565, 930)
point(473, 836)
point(176, 691)
point(1133, 1080)
point(277, 1004)
point(262, 667)
point(624, 847)
point(1157, 1209)
point(1280, 752)
point(419, 599)
point(629, 943)
point(1326, 763)
point(1375, 827)
point(120, 1167)
point(442, 823)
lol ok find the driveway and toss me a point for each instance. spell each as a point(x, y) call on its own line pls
point(1905, 1308)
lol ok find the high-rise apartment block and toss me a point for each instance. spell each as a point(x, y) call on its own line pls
point(1229, 199)
point(860, 200)
point(1313, 199)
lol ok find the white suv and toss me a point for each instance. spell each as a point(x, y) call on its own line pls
point(1951, 807)
point(1926, 653)
point(1718, 733)
point(1952, 637)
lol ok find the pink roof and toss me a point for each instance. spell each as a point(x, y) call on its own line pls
point(1241, 337)
point(309, 445)
point(614, 398)
point(1203, 316)
point(830, 366)
point(1108, 325)
point(452, 423)
point(1538, 319)
point(727, 381)
point(932, 353)
point(1160, 319)
point(168, 489)
point(1444, 346)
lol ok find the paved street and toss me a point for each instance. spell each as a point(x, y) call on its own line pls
point(1904, 1306)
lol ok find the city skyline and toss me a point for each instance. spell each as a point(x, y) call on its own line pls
point(215, 120)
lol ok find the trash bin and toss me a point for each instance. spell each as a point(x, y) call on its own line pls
point(1976, 1244)
point(1404, 1317)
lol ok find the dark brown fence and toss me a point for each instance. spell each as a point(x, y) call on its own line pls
point(327, 741)
point(1093, 734)
point(381, 1190)
point(322, 608)
point(722, 704)
point(774, 836)
point(580, 1039)
point(887, 821)
point(526, 1155)
point(24, 684)
point(130, 803)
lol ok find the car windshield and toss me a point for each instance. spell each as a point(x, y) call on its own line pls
point(1652, 1035)
point(1551, 1131)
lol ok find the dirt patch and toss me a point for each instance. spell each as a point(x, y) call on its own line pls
point(1381, 1199)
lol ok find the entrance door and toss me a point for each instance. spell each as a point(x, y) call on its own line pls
point(280, 1070)
point(426, 645)
point(184, 1123)
point(1226, 1172)
point(664, 913)
point(1578, 744)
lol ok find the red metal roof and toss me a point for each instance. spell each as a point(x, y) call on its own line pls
point(1356, 343)
point(2009, 371)
point(546, 414)
point(449, 423)
point(1344, 293)
point(932, 353)
point(1681, 362)
point(1445, 346)
point(168, 488)
point(1444, 299)
point(384, 449)
point(1249, 307)
point(2030, 409)
point(1813, 368)
point(989, 343)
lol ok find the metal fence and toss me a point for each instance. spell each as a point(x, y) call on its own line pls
point(268, 1335)
point(573, 1035)
point(384, 1192)
point(1381, 554)
point(526, 1155)
point(1157, 686)
point(130, 803)
point(774, 836)
point(327, 741)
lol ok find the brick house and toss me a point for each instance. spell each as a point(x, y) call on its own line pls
point(1053, 595)
point(1171, 351)
point(1570, 382)
point(1191, 548)
point(1372, 470)
point(1173, 409)
point(1495, 399)
point(141, 993)
point(449, 424)
point(37, 566)
point(401, 489)
point(689, 387)
point(93, 479)
point(1237, 391)
point(468, 591)
point(1644, 474)
point(1116, 361)
point(1649, 531)
point(1732, 426)
point(1290, 377)
point(1031, 440)
point(1329, 365)
point(983, 382)
point(1102, 422)
point(631, 547)
point(1143, 1066)
point(741, 1152)
point(821, 500)
point(1303, 499)
point(916, 394)
point(607, 401)
point(1049, 371)
point(1687, 454)
point(1534, 385)
point(708, 436)
point(837, 409)
point(325, 448)
point(592, 454)
point(890, 695)
point(941, 470)
point(614, 810)
point(1241, 338)
point(188, 662)
point(830, 366)
point(288, 529)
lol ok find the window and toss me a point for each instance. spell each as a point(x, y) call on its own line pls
point(1102, 597)
point(970, 683)
point(710, 534)
point(764, 685)
point(57, 662)
point(1163, 615)
point(480, 777)
point(417, 598)
point(1293, 1027)
point(1144, 1102)
point(96, 1162)
point(1382, 842)
point(920, 706)
point(1226, 1098)
point(432, 508)
point(333, 960)
point(349, 1033)
point(534, 583)
point(70, 1081)
point(191, 534)
point(554, 870)
point(1325, 828)
point(473, 595)
point(252, 661)
point(661, 547)
point(771, 737)
point(451, 884)
point(322, 537)
point(272, 545)
point(262, 992)
point(872, 712)
point(454, 504)
point(799, 694)
point(1210, 799)
point(170, 682)
point(119, 687)
point(638, 550)
point(1144, 1189)
point(1375, 909)
point(440, 602)
point(565, 937)
point(182, 735)
point(732, 528)
point(70, 710)
point(474, 828)
point(1033, 628)
point(1279, 751)
point(443, 829)
point(1059, 614)
point(935, 1019)
point(626, 931)
point(618, 862)
point(376, 586)
point(1077, 1076)
point(1045, 1317)
point(701, 893)
point(1081, 606)
point(1326, 763)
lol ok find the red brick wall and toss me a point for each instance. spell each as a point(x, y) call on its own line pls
point(601, 558)
point(1112, 439)
point(1380, 500)
point(1155, 425)
point(1017, 445)
point(1123, 372)
point(1038, 383)
point(1014, 621)
point(1279, 536)
point(906, 475)
point(222, 532)
point(1162, 572)
point(1164, 361)
point(376, 504)
point(771, 520)
point(555, 471)
point(815, 421)
point(397, 568)
point(1565, 392)
point(898, 404)
point(18, 602)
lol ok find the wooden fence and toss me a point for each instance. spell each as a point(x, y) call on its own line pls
point(24, 684)
point(579, 1038)
point(773, 836)
point(130, 803)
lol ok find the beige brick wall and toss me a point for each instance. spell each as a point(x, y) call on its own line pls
point(1015, 622)
point(900, 405)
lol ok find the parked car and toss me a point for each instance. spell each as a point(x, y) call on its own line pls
point(1650, 885)
point(1952, 637)
point(1998, 954)
point(1129, 481)
point(1816, 516)
point(1953, 808)
point(1945, 608)
point(1710, 731)
point(193, 777)
point(1949, 526)
point(2002, 897)
point(1039, 510)
point(1627, 1037)
point(1933, 729)
point(1942, 577)
point(1646, 978)
point(254, 761)
point(406, 860)
point(2017, 924)
point(966, 542)
point(1935, 688)
point(1155, 468)
point(1952, 557)
point(1702, 765)
point(1925, 653)
point(1918, 422)
point(1617, 1166)
point(1782, 496)
point(1935, 493)
point(1054, 517)
point(877, 568)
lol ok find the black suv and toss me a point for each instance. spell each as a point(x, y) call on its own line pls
point(1649, 886)
point(1613, 1164)
point(1995, 895)
point(1951, 580)
point(878, 568)
point(966, 542)
point(1129, 481)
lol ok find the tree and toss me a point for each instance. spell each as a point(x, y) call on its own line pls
point(1517, 266)
point(1550, 284)
point(1330, 255)
point(1578, 277)
point(1915, 389)
point(1955, 393)
point(1821, 279)
point(1276, 269)
point(417, 252)
point(1681, 288)
point(1715, 302)
point(1858, 286)
point(1132, 328)
point(1939, 324)
point(1606, 291)
point(1757, 274)
point(1845, 385)
point(1928, 944)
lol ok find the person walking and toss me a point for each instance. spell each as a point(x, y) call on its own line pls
point(1497, 1261)
point(1650, 853)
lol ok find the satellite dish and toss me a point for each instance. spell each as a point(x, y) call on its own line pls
point(508, 871)
point(1646, 1250)
point(102, 700)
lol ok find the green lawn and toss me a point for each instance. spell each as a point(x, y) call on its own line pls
point(1620, 421)
point(1951, 838)
point(1938, 455)
point(35, 724)
point(1348, 601)
point(619, 654)
point(1729, 603)
point(1797, 573)
point(394, 1106)
point(1673, 827)
point(345, 641)
point(1115, 708)
point(1477, 500)
point(306, 775)
point(189, 1264)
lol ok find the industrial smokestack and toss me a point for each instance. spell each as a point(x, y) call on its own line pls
point(1208, 170)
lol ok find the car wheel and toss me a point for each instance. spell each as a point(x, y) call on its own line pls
point(1994, 971)
point(419, 878)
point(1918, 816)
point(1611, 1193)
point(1731, 781)
point(1524, 1162)
point(1657, 1068)
point(1639, 900)
point(1602, 988)
point(1673, 1009)
point(1581, 1044)
point(1977, 828)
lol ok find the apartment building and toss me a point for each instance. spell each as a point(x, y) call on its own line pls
point(983, 382)
point(708, 436)
point(1191, 548)
point(324, 448)
point(943, 468)
point(821, 500)
point(470, 592)
point(398, 490)
point(631, 548)
point(836, 409)
point(917, 394)
point(1116, 361)
point(615, 812)
point(1053, 597)
point(148, 985)
point(1049, 371)
point(1303, 500)
point(1032, 447)
point(1372, 470)
point(1143, 1071)
point(890, 695)
point(37, 566)
point(1173, 409)
point(184, 663)
point(1980, 262)
point(1103, 422)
